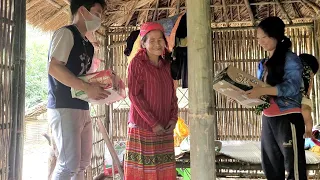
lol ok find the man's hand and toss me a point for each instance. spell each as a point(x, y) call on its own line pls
point(158, 129)
point(95, 91)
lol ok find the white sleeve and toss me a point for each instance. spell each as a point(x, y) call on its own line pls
point(61, 45)
point(307, 102)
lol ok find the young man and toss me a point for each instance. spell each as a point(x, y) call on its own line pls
point(70, 55)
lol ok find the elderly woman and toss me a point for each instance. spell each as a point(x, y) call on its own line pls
point(282, 142)
point(153, 110)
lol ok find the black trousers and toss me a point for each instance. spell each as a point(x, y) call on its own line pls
point(282, 147)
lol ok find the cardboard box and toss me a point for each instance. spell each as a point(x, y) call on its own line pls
point(113, 84)
point(233, 83)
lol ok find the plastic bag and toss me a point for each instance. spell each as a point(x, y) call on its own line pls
point(181, 131)
point(120, 147)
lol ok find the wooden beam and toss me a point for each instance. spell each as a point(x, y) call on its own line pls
point(167, 10)
point(202, 123)
point(155, 13)
point(225, 15)
point(177, 7)
point(239, 14)
point(254, 27)
point(131, 13)
point(116, 44)
point(250, 11)
point(284, 11)
point(47, 21)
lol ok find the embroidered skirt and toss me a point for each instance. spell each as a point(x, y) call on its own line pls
point(149, 157)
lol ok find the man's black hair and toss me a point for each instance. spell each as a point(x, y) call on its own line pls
point(76, 4)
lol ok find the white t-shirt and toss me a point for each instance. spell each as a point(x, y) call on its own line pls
point(61, 45)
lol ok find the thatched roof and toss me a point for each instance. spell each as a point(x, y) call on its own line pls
point(52, 14)
point(35, 111)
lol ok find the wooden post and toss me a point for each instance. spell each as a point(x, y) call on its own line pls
point(200, 70)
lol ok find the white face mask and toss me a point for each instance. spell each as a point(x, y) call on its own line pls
point(93, 24)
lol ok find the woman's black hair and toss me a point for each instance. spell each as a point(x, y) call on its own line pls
point(76, 4)
point(311, 61)
point(275, 28)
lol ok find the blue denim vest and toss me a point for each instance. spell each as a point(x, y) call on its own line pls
point(289, 91)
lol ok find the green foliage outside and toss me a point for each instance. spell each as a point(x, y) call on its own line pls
point(37, 45)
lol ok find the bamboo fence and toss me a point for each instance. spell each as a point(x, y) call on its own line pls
point(12, 65)
point(6, 67)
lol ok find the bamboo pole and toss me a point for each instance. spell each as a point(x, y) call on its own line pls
point(109, 144)
point(284, 11)
point(249, 11)
point(18, 92)
point(200, 70)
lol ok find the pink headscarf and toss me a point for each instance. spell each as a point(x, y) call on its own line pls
point(150, 26)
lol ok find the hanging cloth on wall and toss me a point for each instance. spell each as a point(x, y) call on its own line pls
point(130, 42)
point(179, 65)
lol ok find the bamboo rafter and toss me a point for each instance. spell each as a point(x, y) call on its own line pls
point(284, 11)
point(247, 3)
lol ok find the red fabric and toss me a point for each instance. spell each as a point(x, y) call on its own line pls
point(151, 92)
point(150, 26)
point(274, 110)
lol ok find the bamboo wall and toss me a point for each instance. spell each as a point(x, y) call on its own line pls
point(12, 57)
point(237, 47)
point(6, 65)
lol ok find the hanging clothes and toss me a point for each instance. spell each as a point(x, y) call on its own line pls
point(130, 42)
point(182, 29)
point(179, 65)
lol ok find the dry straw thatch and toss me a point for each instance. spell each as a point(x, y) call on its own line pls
point(52, 14)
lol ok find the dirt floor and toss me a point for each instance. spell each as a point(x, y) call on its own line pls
point(35, 161)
